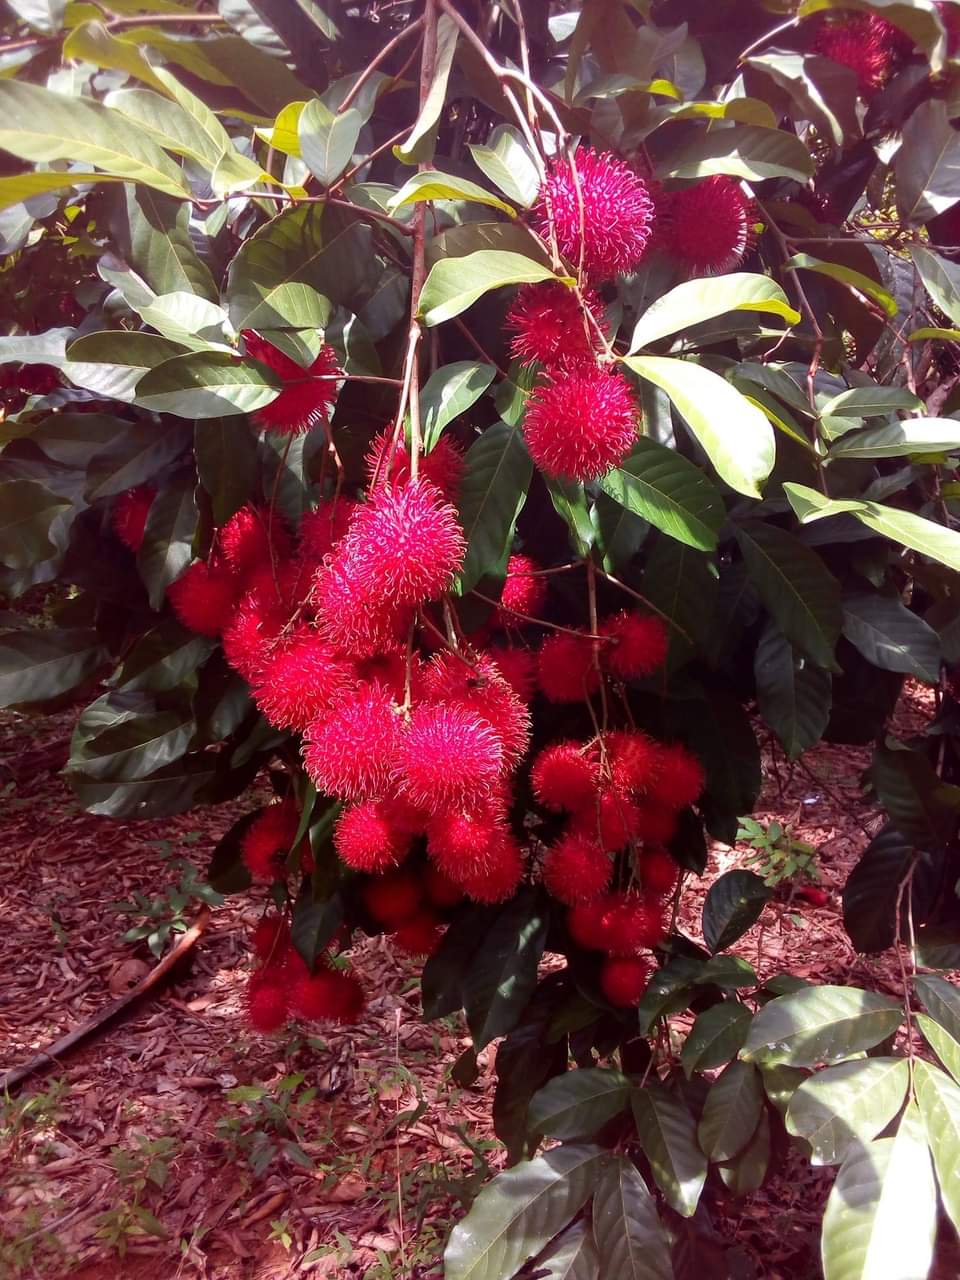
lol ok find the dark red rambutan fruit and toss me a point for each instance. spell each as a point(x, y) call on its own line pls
point(864, 42)
point(130, 513)
point(549, 326)
point(329, 995)
point(656, 824)
point(632, 922)
point(581, 423)
point(576, 869)
point(254, 538)
point(479, 688)
point(449, 758)
point(360, 622)
point(611, 820)
point(252, 637)
point(322, 528)
point(300, 681)
point(267, 1001)
point(524, 592)
point(351, 751)
point(585, 923)
point(640, 644)
point(366, 840)
point(518, 667)
point(281, 587)
point(388, 463)
point(565, 667)
point(203, 598)
point(658, 872)
point(268, 839)
point(708, 228)
point(393, 898)
point(564, 777)
point(609, 221)
point(460, 840)
point(501, 874)
point(950, 17)
point(440, 889)
point(420, 935)
point(623, 980)
point(633, 759)
point(307, 395)
point(679, 779)
point(271, 939)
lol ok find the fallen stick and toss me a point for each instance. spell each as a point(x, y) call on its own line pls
point(48, 1057)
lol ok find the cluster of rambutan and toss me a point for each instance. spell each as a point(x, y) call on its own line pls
point(866, 43)
point(410, 905)
point(283, 987)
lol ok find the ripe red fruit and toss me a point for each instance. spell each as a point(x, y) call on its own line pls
point(268, 839)
point(307, 396)
point(866, 43)
point(271, 939)
point(366, 840)
point(322, 528)
point(549, 326)
point(632, 923)
point(459, 839)
point(524, 592)
point(816, 897)
point(300, 681)
point(362, 623)
point(564, 776)
point(350, 752)
point(267, 1002)
point(610, 218)
point(655, 823)
point(393, 898)
point(640, 644)
point(253, 539)
point(440, 889)
point(449, 758)
point(420, 935)
point(624, 980)
point(658, 872)
point(388, 463)
point(679, 779)
point(950, 17)
point(251, 637)
point(130, 515)
point(501, 874)
point(612, 820)
point(329, 995)
point(576, 869)
point(518, 667)
point(565, 668)
point(203, 598)
point(479, 687)
point(709, 227)
point(633, 759)
point(581, 423)
point(585, 922)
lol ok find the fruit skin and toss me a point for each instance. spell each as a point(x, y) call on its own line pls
point(576, 869)
point(300, 681)
point(640, 646)
point(271, 938)
point(350, 752)
point(268, 839)
point(307, 395)
point(391, 899)
point(680, 777)
point(388, 463)
point(366, 839)
point(632, 922)
point(449, 758)
point(267, 1001)
point(866, 43)
point(420, 935)
point(565, 668)
point(203, 598)
point(549, 326)
point(658, 872)
point(816, 897)
point(623, 980)
point(581, 422)
point(254, 539)
point(524, 592)
point(328, 995)
point(564, 777)
point(130, 515)
point(708, 228)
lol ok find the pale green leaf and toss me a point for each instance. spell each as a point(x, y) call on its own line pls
point(695, 301)
point(456, 283)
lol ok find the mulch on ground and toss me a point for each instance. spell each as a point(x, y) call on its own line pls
point(177, 1143)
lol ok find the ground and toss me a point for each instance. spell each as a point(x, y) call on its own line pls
point(174, 1142)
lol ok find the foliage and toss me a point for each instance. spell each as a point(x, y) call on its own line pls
point(181, 183)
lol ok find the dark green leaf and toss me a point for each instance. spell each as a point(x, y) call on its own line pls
point(941, 999)
point(578, 1103)
point(920, 806)
point(682, 584)
point(124, 737)
point(732, 906)
point(891, 636)
point(872, 888)
point(747, 1172)
point(72, 439)
point(36, 666)
point(942, 279)
point(226, 453)
point(572, 1256)
point(112, 362)
point(155, 241)
point(846, 1104)
point(744, 151)
point(449, 392)
point(163, 794)
point(731, 1112)
point(793, 695)
point(313, 924)
point(927, 165)
point(227, 872)
point(630, 1239)
point(207, 384)
point(618, 533)
point(716, 1036)
point(163, 658)
point(27, 509)
point(495, 482)
point(168, 539)
point(668, 1135)
point(668, 491)
point(143, 450)
point(820, 1024)
point(503, 974)
point(442, 980)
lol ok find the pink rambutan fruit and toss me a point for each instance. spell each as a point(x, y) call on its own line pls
point(460, 840)
point(864, 42)
point(623, 980)
point(440, 889)
point(361, 622)
point(581, 423)
point(329, 995)
point(585, 923)
point(708, 227)
point(611, 820)
point(267, 1001)
point(549, 326)
point(420, 935)
point(254, 538)
point(564, 776)
point(518, 666)
point(565, 667)
point(576, 869)
point(366, 840)
point(251, 637)
point(351, 750)
point(479, 687)
point(679, 779)
point(388, 463)
point(268, 839)
point(632, 922)
point(322, 528)
point(300, 681)
point(609, 220)
point(633, 759)
point(203, 598)
point(524, 592)
point(307, 395)
point(501, 874)
point(393, 898)
point(130, 513)
point(656, 824)
point(271, 939)
point(658, 872)
point(449, 758)
point(282, 587)
point(640, 644)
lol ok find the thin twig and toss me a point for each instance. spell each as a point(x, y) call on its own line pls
point(410, 29)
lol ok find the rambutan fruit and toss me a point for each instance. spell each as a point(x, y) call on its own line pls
point(501, 874)
point(708, 227)
point(268, 839)
point(449, 758)
point(524, 592)
point(607, 222)
point(440, 889)
point(864, 42)
point(564, 776)
point(307, 395)
point(360, 622)
point(585, 923)
point(565, 667)
point(130, 513)
point(581, 423)
point(632, 922)
point(633, 759)
point(271, 939)
point(254, 538)
point(576, 869)
point(281, 587)
point(388, 463)
point(351, 751)
point(611, 819)
point(328, 995)
point(479, 687)
point(366, 840)
point(420, 935)
point(300, 681)
point(518, 666)
point(203, 598)
point(658, 872)
point(252, 637)
point(623, 980)
point(322, 528)
point(267, 1001)
point(656, 824)
point(549, 326)
point(393, 898)
point(460, 840)
point(679, 779)
point(640, 644)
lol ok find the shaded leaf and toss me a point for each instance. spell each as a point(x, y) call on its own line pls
point(669, 492)
point(793, 695)
point(920, 806)
point(496, 478)
point(572, 1256)
point(744, 151)
point(820, 1024)
point(668, 1135)
point(39, 665)
point(733, 905)
point(871, 891)
point(927, 164)
point(847, 1104)
point(578, 1103)
point(938, 1098)
point(748, 1170)
point(731, 1112)
point(631, 1242)
point(27, 509)
point(503, 974)
point(891, 636)
point(716, 1036)
point(941, 999)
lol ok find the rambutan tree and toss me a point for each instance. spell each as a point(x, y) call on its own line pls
point(490, 422)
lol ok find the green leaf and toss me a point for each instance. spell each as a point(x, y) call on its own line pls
point(744, 151)
point(456, 283)
point(938, 1098)
point(449, 392)
point(313, 924)
point(920, 806)
point(111, 363)
point(27, 509)
point(578, 1103)
point(503, 974)
point(569, 500)
point(207, 384)
point(747, 1172)
point(161, 794)
point(871, 402)
point(39, 125)
point(92, 42)
point(618, 534)
point(430, 184)
point(668, 1135)
point(942, 280)
point(820, 1024)
point(695, 301)
point(630, 1239)
point(824, 91)
point(716, 1036)
point(891, 636)
point(44, 15)
point(496, 478)
point(327, 139)
point(913, 437)
point(942, 1043)
point(155, 241)
point(781, 1083)
point(520, 1211)
point(941, 999)
point(847, 1104)
point(572, 1256)
point(881, 1215)
point(731, 1112)
point(168, 124)
point(845, 275)
point(796, 588)
point(871, 891)
point(925, 536)
point(937, 947)
point(185, 318)
point(668, 491)
point(137, 455)
point(507, 162)
point(162, 659)
point(123, 737)
point(168, 539)
point(793, 696)
point(735, 435)
point(733, 905)
point(418, 146)
point(226, 453)
point(39, 665)
point(927, 165)
point(18, 187)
